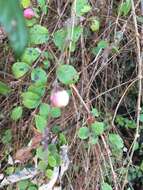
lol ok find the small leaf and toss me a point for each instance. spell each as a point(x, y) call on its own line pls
point(16, 113)
point(83, 133)
point(55, 112)
point(102, 44)
point(19, 69)
point(39, 76)
point(4, 88)
point(106, 186)
point(42, 165)
point(116, 141)
point(30, 55)
point(7, 137)
point(40, 153)
point(60, 38)
point(95, 112)
point(37, 88)
point(11, 18)
point(97, 128)
point(95, 25)
point(49, 173)
point(22, 185)
point(81, 7)
point(30, 100)
point(9, 170)
point(41, 123)
point(67, 74)
point(125, 8)
point(44, 110)
point(38, 35)
point(25, 3)
point(52, 161)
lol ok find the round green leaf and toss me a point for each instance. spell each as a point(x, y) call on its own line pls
point(19, 69)
point(38, 89)
point(4, 88)
point(49, 173)
point(116, 141)
point(16, 113)
point(38, 75)
point(44, 110)
point(95, 25)
point(42, 165)
point(97, 128)
point(30, 100)
point(22, 185)
point(59, 38)
point(67, 74)
point(30, 55)
point(83, 133)
point(38, 34)
point(52, 161)
point(41, 123)
point(55, 112)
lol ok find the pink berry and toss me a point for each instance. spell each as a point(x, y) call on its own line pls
point(59, 98)
point(29, 13)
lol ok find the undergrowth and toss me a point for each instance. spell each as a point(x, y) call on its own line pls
point(93, 50)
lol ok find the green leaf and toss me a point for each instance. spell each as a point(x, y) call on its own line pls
point(102, 44)
point(43, 6)
point(62, 139)
point(55, 112)
point(52, 161)
point(56, 129)
point(40, 153)
point(19, 69)
point(60, 38)
point(95, 112)
point(4, 89)
point(30, 55)
point(95, 25)
point(38, 35)
point(81, 7)
point(41, 123)
point(44, 110)
point(42, 165)
point(125, 8)
point(67, 74)
point(30, 100)
point(22, 185)
point(116, 141)
point(16, 113)
point(25, 3)
point(37, 88)
point(83, 133)
point(64, 35)
point(39, 76)
point(97, 128)
point(49, 173)
point(9, 170)
point(11, 18)
point(106, 186)
point(7, 137)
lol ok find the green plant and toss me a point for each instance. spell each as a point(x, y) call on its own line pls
point(12, 20)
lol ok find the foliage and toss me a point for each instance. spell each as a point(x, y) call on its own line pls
point(12, 20)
